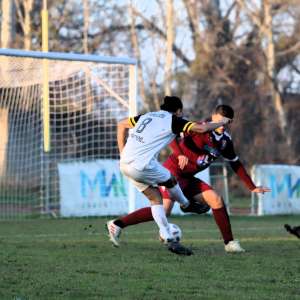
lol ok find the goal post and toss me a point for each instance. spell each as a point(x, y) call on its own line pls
point(87, 96)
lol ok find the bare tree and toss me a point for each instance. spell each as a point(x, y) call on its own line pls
point(169, 47)
point(154, 30)
point(86, 15)
point(267, 31)
point(7, 23)
point(24, 10)
point(262, 18)
point(137, 53)
point(192, 8)
point(233, 53)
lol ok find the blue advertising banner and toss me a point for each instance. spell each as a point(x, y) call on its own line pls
point(95, 188)
point(284, 181)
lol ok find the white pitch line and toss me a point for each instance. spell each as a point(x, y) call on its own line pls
point(128, 232)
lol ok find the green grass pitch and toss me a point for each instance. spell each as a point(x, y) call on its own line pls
point(72, 259)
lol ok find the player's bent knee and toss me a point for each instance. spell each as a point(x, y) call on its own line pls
point(214, 200)
point(169, 183)
point(218, 201)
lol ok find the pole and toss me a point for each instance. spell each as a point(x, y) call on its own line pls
point(225, 180)
point(45, 111)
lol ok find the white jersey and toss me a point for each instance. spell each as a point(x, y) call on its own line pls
point(151, 133)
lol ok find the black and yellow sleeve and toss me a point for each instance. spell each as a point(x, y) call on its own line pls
point(133, 120)
point(181, 125)
point(187, 127)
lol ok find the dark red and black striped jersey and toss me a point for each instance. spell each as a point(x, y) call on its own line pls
point(203, 149)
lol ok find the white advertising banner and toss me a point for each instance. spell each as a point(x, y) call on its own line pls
point(92, 189)
point(284, 181)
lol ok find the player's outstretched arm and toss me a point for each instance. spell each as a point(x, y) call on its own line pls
point(201, 128)
point(240, 170)
point(121, 133)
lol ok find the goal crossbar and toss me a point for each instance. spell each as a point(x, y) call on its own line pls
point(68, 56)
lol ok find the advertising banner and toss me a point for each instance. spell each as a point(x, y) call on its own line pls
point(284, 181)
point(92, 189)
point(98, 188)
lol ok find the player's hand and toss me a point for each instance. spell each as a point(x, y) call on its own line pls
point(261, 190)
point(182, 161)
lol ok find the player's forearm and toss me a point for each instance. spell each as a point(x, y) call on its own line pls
point(201, 128)
point(121, 134)
point(239, 169)
point(121, 138)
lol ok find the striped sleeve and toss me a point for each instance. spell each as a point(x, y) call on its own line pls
point(187, 127)
point(133, 120)
point(181, 125)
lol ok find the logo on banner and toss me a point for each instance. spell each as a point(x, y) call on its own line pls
point(285, 185)
point(102, 184)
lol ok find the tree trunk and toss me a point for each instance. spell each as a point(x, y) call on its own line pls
point(7, 28)
point(270, 56)
point(86, 14)
point(25, 20)
point(137, 54)
point(28, 5)
point(169, 47)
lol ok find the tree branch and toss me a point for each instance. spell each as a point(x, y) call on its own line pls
point(293, 48)
point(19, 13)
point(152, 27)
point(297, 70)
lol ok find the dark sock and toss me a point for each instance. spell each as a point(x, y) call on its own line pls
point(223, 222)
point(139, 216)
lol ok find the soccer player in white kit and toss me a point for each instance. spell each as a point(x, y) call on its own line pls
point(148, 134)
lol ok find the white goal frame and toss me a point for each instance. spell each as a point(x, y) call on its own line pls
point(46, 58)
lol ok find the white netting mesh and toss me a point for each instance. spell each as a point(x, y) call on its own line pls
point(86, 101)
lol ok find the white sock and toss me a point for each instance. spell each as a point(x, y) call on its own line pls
point(160, 218)
point(177, 195)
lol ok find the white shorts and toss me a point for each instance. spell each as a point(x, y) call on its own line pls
point(152, 175)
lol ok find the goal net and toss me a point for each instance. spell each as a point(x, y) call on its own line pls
point(56, 108)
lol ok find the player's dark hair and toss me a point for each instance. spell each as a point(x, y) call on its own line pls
point(225, 111)
point(171, 104)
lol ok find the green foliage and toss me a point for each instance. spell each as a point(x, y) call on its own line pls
point(72, 259)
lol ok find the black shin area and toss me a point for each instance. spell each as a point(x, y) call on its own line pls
point(169, 183)
point(119, 223)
